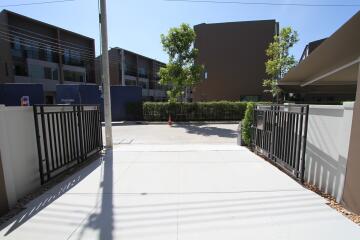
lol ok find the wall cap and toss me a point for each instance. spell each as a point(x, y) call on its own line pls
point(348, 105)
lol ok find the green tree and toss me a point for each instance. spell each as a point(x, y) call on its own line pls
point(181, 72)
point(279, 59)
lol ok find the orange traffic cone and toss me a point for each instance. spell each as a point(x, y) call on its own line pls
point(170, 121)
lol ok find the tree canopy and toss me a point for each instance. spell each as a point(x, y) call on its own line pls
point(279, 59)
point(181, 72)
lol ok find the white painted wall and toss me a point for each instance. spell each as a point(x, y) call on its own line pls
point(18, 152)
point(327, 147)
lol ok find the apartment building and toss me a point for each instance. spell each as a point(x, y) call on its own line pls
point(233, 55)
point(36, 52)
point(310, 47)
point(131, 69)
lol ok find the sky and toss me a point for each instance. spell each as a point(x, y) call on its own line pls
point(136, 25)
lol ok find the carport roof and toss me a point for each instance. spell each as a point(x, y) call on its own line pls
point(334, 62)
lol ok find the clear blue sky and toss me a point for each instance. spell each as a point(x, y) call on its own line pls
point(136, 25)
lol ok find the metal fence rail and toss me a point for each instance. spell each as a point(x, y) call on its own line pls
point(279, 132)
point(66, 136)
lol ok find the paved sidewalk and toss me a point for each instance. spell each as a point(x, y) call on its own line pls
point(180, 191)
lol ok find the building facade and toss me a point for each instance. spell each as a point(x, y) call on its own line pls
point(233, 55)
point(36, 52)
point(131, 69)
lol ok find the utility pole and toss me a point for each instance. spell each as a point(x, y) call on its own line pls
point(105, 75)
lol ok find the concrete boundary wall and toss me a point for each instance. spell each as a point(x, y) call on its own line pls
point(18, 150)
point(4, 206)
point(327, 147)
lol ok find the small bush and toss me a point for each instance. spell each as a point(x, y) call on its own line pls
point(199, 111)
point(246, 123)
point(134, 111)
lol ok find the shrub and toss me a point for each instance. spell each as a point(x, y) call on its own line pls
point(199, 111)
point(246, 123)
point(134, 111)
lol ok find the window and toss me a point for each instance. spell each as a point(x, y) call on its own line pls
point(32, 50)
point(55, 74)
point(75, 57)
point(47, 73)
point(66, 56)
point(16, 43)
point(48, 53)
point(142, 72)
point(41, 72)
point(72, 76)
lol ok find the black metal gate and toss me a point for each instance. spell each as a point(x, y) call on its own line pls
point(279, 133)
point(66, 136)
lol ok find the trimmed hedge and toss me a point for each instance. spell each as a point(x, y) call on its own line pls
point(198, 111)
point(134, 111)
point(246, 123)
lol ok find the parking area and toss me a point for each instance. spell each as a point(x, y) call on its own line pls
point(177, 134)
point(197, 185)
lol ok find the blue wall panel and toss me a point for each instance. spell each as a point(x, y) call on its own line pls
point(121, 96)
point(77, 94)
point(11, 93)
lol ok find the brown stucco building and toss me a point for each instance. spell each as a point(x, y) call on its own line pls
point(36, 52)
point(128, 68)
point(233, 55)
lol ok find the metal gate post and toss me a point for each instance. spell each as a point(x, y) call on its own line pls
point(41, 170)
point(272, 132)
point(45, 141)
point(80, 110)
point(304, 144)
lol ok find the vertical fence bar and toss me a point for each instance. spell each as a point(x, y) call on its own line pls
point(37, 132)
point(272, 133)
point(71, 136)
point(63, 138)
point(76, 134)
point(50, 141)
point(43, 125)
point(58, 123)
point(298, 157)
point(55, 139)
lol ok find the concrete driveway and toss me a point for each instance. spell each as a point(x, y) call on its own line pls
point(156, 188)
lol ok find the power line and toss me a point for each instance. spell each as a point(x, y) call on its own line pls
point(32, 45)
point(25, 37)
point(40, 45)
point(267, 3)
point(43, 36)
point(35, 3)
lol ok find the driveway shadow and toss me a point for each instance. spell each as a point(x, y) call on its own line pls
point(50, 193)
point(206, 130)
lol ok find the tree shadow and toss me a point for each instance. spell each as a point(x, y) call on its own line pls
point(206, 130)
